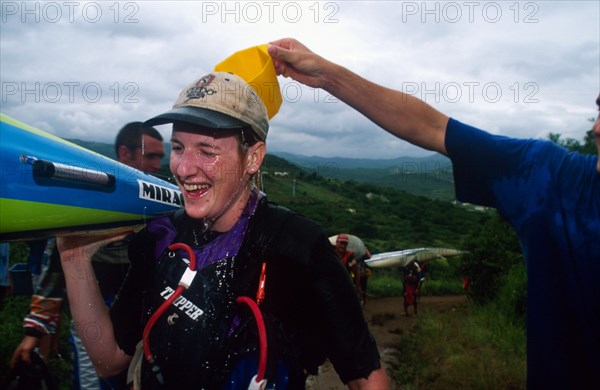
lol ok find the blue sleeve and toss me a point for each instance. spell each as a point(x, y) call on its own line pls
point(550, 196)
point(509, 174)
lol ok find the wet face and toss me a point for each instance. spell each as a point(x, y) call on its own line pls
point(596, 132)
point(213, 173)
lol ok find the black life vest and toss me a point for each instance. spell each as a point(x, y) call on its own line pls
point(205, 333)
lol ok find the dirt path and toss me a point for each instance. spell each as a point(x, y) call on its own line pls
point(386, 322)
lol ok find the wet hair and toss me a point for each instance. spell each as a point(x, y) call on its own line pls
point(247, 139)
point(131, 135)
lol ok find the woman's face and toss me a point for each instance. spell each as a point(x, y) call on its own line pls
point(212, 173)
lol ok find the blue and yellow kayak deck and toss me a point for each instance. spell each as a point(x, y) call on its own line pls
point(49, 185)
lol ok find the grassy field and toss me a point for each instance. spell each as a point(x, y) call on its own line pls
point(12, 311)
point(470, 348)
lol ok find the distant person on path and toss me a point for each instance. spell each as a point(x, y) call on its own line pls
point(348, 258)
point(551, 198)
point(364, 273)
point(420, 268)
point(410, 287)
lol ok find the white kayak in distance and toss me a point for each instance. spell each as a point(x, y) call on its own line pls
point(404, 257)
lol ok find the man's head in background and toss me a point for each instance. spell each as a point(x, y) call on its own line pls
point(140, 147)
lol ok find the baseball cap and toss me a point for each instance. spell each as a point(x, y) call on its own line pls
point(218, 100)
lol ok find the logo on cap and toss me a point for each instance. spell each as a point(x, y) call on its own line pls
point(200, 90)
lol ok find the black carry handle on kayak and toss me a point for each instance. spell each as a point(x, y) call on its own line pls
point(53, 170)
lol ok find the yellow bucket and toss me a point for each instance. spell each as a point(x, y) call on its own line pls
point(256, 67)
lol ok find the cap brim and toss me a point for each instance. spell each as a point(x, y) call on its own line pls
point(198, 116)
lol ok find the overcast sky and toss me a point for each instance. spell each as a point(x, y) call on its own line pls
point(519, 68)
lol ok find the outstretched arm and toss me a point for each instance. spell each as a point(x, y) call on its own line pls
point(400, 114)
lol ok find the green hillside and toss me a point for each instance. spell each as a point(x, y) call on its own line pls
point(385, 218)
point(436, 185)
point(429, 176)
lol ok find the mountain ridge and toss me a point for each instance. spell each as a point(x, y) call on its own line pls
point(429, 163)
point(429, 176)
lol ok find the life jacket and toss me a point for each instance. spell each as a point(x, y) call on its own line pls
point(216, 335)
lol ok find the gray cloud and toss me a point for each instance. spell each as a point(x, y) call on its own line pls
point(515, 68)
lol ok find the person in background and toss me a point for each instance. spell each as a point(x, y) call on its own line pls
point(410, 287)
point(139, 147)
point(4, 276)
point(364, 271)
point(421, 271)
point(551, 198)
point(37, 259)
point(206, 279)
point(348, 258)
point(145, 155)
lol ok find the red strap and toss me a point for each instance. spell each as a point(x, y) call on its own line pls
point(262, 335)
point(163, 308)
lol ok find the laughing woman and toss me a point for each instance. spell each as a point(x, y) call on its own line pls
point(232, 291)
